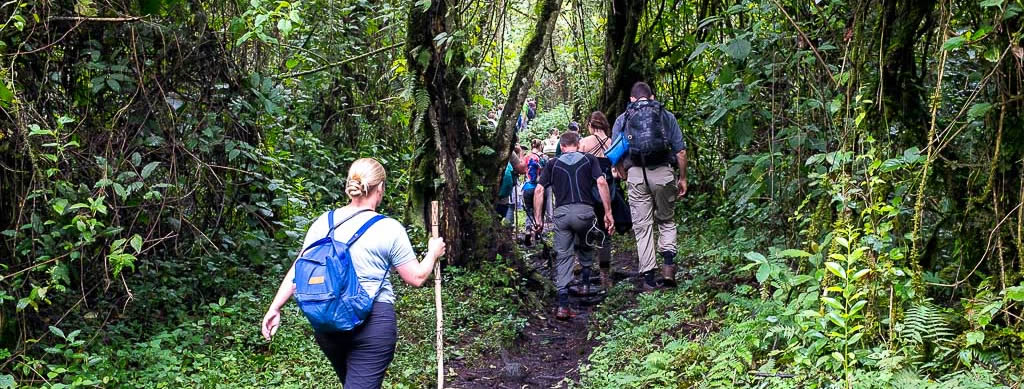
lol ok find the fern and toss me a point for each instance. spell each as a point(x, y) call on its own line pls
point(421, 102)
point(925, 323)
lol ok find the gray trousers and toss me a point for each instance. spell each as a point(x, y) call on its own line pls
point(572, 221)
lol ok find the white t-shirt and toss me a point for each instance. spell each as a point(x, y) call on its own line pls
point(385, 245)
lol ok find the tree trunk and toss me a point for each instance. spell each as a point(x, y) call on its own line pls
point(459, 163)
point(529, 60)
point(903, 25)
point(623, 65)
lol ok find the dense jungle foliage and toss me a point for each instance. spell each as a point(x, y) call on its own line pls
point(855, 216)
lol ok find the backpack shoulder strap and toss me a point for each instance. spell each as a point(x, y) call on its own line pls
point(359, 234)
point(330, 220)
point(362, 230)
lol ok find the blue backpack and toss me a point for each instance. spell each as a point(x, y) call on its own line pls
point(326, 285)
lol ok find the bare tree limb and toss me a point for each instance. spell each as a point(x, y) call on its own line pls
point(339, 63)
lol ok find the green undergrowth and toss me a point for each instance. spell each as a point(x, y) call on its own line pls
point(718, 330)
point(219, 344)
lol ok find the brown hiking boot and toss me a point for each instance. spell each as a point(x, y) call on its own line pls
point(668, 275)
point(564, 313)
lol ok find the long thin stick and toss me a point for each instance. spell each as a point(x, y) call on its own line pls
point(434, 232)
point(339, 63)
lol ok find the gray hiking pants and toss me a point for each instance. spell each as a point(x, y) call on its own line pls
point(572, 221)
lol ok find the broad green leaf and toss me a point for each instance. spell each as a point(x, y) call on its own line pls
point(6, 97)
point(991, 3)
point(838, 356)
point(59, 205)
point(136, 243)
point(843, 242)
point(794, 253)
point(58, 332)
point(738, 48)
point(763, 273)
point(716, 116)
point(121, 192)
point(85, 8)
point(697, 51)
point(992, 54)
point(954, 43)
point(755, 257)
point(836, 269)
point(860, 274)
point(833, 303)
point(1014, 293)
point(285, 26)
point(148, 169)
point(22, 304)
point(858, 306)
point(834, 317)
point(975, 337)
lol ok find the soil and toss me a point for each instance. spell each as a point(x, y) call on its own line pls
point(548, 353)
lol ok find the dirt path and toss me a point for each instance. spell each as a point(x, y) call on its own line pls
point(549, 351)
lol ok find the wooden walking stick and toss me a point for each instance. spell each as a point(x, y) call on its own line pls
point(437, 298)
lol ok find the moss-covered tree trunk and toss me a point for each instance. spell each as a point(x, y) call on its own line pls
point(623, 62)
point(460, 163)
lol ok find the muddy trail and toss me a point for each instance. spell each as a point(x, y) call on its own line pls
point(548, 353)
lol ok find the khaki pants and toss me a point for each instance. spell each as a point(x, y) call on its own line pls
point(652, 203)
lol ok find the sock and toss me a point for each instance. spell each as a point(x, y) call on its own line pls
point(670, 257)
point(649, 277)
point(585, 275)
point(563, 298)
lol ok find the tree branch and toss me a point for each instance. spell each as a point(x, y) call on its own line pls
point(92, 19)
point(339, 63)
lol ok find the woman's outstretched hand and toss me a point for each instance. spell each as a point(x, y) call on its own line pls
point(271, 321)
point(436, 247)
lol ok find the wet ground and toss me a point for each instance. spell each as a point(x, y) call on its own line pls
point(549, 351)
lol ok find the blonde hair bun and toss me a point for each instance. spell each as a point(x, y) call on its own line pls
point(365, 173)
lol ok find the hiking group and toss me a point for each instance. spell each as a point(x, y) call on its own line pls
point(579, 188)
point(341, 282)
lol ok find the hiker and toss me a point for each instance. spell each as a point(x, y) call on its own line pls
point(526, 115)
point(492, 119)
point(361, 355)
point(655, 146)
point(516, 166)
point(573, 127)
point(571, 178)
point(551, 143)
point(535, 162)
point(596, 144)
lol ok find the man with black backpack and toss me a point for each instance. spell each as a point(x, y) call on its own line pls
point(655, 146)
point(572, 176)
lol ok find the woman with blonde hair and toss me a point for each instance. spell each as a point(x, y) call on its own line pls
point(361, 355)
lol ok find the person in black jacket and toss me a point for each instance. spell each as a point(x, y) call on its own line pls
point(572, 177)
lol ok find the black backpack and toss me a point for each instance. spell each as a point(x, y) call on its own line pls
point(648, 145)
